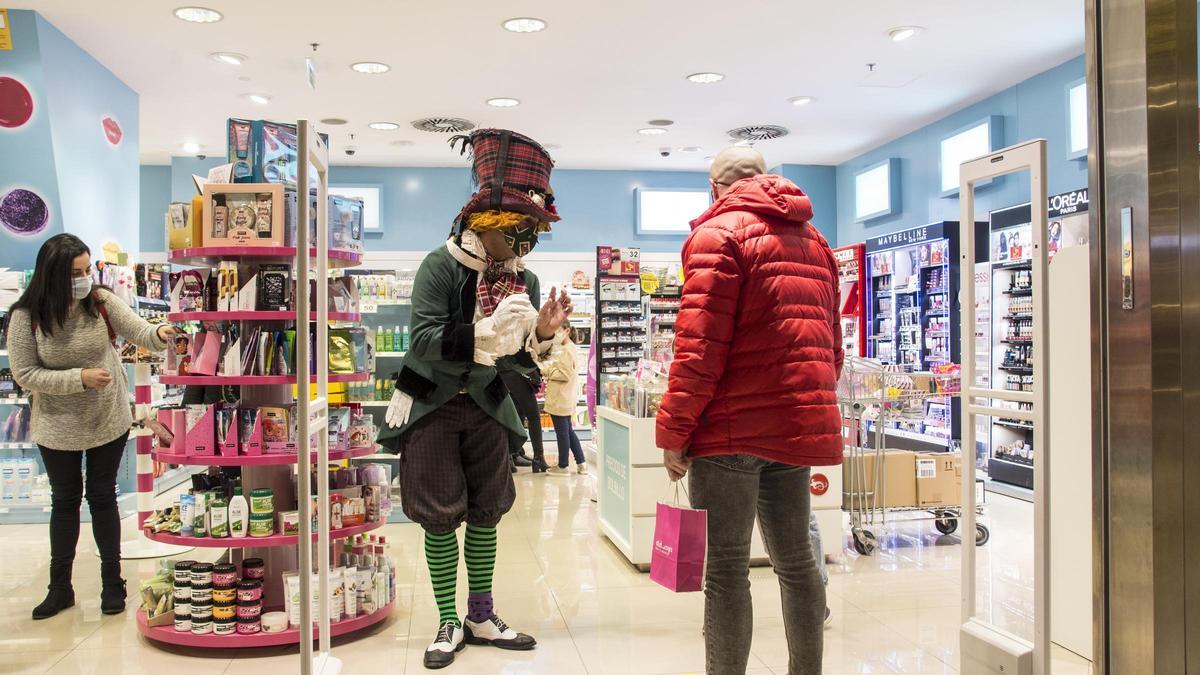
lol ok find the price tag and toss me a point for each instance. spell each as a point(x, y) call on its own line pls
point(369, 307)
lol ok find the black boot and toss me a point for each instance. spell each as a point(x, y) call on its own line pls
point(112, 588)
point(61, 595)
point(539, 464)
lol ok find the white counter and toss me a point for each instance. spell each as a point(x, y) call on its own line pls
point(632, 482)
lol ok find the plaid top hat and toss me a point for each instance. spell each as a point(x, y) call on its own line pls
point(509, 168)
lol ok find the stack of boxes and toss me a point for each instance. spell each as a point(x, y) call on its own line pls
point(906, 479)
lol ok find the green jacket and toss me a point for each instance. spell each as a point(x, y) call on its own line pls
point(441, 357)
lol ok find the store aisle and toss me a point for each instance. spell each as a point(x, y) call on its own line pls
point(895, 612)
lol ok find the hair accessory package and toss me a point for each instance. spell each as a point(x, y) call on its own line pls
point(250, 431)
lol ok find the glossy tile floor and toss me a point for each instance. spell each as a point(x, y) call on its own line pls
point(894, 612)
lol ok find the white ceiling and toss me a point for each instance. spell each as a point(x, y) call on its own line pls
point(600, 71)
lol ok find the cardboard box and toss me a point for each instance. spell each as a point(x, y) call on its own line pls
point(939, 478)
point(897, 483)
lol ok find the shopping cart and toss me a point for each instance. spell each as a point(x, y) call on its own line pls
point(870, 392)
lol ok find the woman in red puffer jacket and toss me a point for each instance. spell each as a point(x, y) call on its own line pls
point(751, 402)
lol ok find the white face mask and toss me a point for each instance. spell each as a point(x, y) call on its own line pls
point(80, 287)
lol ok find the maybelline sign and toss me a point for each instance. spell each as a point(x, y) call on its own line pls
point(916, 235)
point(1068, 202)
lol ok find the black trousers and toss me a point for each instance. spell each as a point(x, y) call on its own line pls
point(520, 388)
point(67, 490)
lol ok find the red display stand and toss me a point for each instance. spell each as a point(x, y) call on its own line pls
point(169, 635)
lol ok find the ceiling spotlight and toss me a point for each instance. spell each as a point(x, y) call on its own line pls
point(190, 147)
point(384, 126)
point(705, 78)
point(799, 101)
point(228, 58)
point(333, 121)
point(198, 14)
point(370, 67)
point(652, 131)
point(691, 148)
point(261, 99)
point(902, 33)
point(524, 24)
point(503, 102)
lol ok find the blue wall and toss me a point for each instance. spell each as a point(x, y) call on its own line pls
point(97, 180)
point(420, 203)
point(820, 184)
point(155, 183)
point(1035, 108)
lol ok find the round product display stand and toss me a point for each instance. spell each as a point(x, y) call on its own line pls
point(169, 635)
point(209, 255)
point(259, 542)
point(255, 315)
point(254, 460)
point(217, 380)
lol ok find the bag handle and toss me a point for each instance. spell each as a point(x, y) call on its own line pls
point(677, 485)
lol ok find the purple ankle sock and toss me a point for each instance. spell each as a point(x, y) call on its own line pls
point(479, 607)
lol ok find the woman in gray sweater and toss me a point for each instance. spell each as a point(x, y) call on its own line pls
point(60, 345)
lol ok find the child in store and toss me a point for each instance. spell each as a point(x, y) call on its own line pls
point(562, 397)
point(472, 308)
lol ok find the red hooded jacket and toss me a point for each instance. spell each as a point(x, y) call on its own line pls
point(758, 346)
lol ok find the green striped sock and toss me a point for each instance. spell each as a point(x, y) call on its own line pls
point(480, 552)
point(441, 554)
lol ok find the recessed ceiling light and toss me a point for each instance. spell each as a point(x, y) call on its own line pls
point(229, 58)
point(384, 126)
point(198, 14)
point(902, 33)
point(503, 102)
point(801, 100)
point(191, 147)
point(370, 67)
point(261, 99)
point(691, 148)
point(705, 78)
point(652, 131)
point(524, 24)
point(333, 121)
point(402, 143)
point(661, 123)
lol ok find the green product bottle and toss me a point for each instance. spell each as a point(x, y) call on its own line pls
point(404, 340)
point(378, 341)
point(379, 390)
point(387, 339)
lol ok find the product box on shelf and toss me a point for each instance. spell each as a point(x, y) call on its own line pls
point(227, 430)
point(243, 214)
point(263, 152)
point(200, 436)
point(250, 431)
point(184, 223)
point(939, 478)
point(897, 481)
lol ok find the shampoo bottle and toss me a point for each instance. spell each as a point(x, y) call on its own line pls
point(239, 514)
point(404, 338)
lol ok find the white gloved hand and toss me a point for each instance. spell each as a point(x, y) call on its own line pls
point(513, 320)
point(399, 409)
point(485, 342)
point(516, 307)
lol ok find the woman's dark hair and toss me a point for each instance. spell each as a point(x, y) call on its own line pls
point(48, 298)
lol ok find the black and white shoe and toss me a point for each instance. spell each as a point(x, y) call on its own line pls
point(449, 641)
point(496, 633)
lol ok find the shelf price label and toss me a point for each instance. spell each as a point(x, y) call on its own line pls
point(366, 307)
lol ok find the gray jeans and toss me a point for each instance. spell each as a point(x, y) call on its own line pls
point(735, 488)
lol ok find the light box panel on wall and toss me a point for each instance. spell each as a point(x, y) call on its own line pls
point(974, 140)
point(1077, 120)
point(877, 190)
point(668, 210)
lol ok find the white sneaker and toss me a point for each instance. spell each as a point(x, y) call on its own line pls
point(582, 468)
point(496, 633)
point(558, 471)
point(450, 640)
point(828, 618)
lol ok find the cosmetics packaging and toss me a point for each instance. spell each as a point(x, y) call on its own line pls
point(201, 428)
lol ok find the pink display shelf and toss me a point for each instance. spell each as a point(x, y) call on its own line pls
point(209, 255)
point(169, 635)
point(251, 460)
point(255, 316)
point(259, 542)
point(214, 380)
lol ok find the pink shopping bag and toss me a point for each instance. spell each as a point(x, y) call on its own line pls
point(680, 547)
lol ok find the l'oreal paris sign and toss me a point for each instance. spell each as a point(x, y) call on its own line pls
point(916, 235)
point(1068, 202)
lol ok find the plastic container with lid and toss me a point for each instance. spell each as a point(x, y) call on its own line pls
point(224, 595)
point(202, 573)
point(183, 624)
point(249, 626)
point(202, 592)
point(224, 575)
point(183, 594)
point(274, 622)
point(246, 610)
point(262, 524)
point(224, 610)
point(249, 590)
point(262, 501)
point(253, 568)
point(224, 626)
point(201, 626)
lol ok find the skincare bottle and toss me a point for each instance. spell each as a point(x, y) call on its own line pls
point(239, 514)
point(387, 340)
point(186, 511)
point(219, 519)
point(404, 338)
point(397, 344)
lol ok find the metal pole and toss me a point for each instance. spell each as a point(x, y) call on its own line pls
point(303, 388)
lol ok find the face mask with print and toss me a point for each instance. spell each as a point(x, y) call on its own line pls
point(523, 238)
point(80, 287)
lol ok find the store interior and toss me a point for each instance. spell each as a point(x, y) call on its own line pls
point(121, 124)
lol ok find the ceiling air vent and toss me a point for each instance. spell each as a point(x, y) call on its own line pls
point(758, 132)
point(443, 125)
